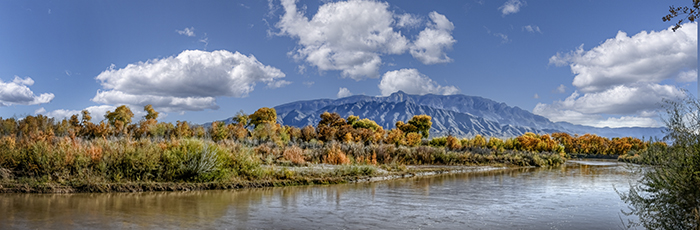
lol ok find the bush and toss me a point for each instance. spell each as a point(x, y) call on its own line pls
point(667, 195)
point(194, 160)
point(334, 155)
point(243, 163)
point(453, 143)
point(294, 154)
point(413, 139)
point(438, 142)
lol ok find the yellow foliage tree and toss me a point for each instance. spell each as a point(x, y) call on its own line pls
point(413, 139)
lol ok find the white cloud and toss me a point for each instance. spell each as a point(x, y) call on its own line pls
point(511, 7)
point(278, 84)
point(352, 36)
point(432, 42)
point(536, 96)
point(622, 76)
point(190, 81)
point(595, 120)
point(644, 57)
point(408, 21)
point(636, 105)
point(560, 89)
point(688, 76)
point(628, 121)
point(532, 29)
point(17, 92)
point(187, 32)
point(25, 81)
point(40, 111)
point(347, 36)
point(620, 100)
point(412, 82)
point(344, 92)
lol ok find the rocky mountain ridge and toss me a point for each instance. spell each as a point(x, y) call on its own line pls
point(458, 115)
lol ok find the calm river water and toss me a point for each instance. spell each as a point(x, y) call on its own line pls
point(579, 195)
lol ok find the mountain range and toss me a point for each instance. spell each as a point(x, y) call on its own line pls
point(458, 115)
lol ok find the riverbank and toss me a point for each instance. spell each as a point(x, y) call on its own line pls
point(316, 174)
point(65, 165)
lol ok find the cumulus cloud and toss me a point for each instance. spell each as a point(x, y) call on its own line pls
point(189, 32)
point(412, 82)
point(644, 57)
point(190, 81)
point(352, 36)
point(620, 100)
point(630, 101)
point(432, 42)
point(511, 7)
point(622, 76)
point(344, 92)
point(17, 92)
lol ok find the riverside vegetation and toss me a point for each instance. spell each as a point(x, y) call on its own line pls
point(41, 154)
point(668, 194)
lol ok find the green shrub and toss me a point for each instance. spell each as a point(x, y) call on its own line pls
point(438, 142)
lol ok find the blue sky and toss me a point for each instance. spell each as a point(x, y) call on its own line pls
point(600, 63)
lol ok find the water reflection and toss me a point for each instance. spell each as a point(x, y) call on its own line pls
point(577, 195)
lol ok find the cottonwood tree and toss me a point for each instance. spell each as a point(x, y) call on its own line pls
point(242, 118)
point(120, 117)
point(308, 133)
point(150, 112)
point(422, 124)
point(330, 126)
point(263, 115)
point(85, 115)
point(418, 124)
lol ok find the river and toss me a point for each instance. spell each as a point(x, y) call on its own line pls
point(578, 195)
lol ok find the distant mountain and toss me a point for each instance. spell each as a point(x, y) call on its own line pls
point(638, 132)
point(387, 114)
point(459, 115)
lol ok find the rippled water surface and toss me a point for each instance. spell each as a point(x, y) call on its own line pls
point(579, 195)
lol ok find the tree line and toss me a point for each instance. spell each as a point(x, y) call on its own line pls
point(262, 126)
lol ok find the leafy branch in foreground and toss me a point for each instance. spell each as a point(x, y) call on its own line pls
point(668, 194)
point(691, 13)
